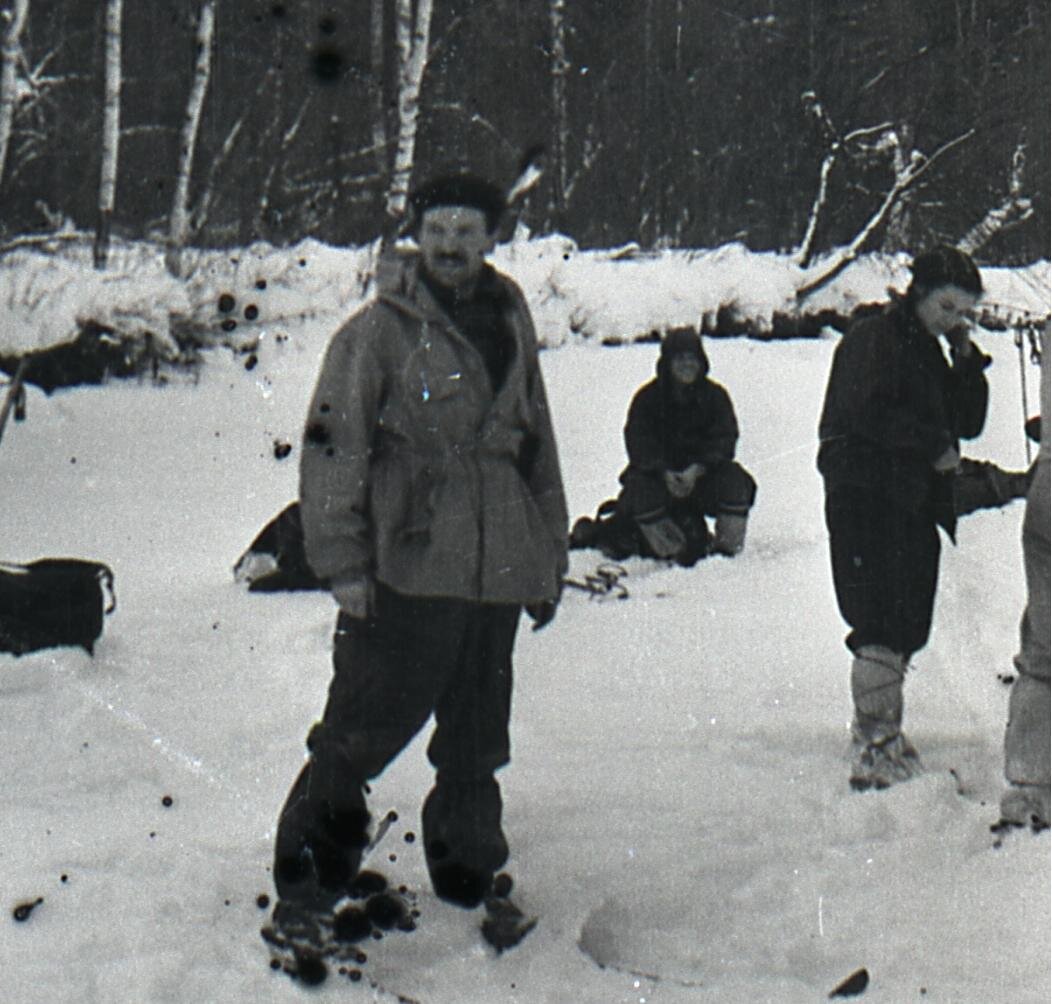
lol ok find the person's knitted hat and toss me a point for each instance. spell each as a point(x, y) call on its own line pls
point(944, 265)
point(459, 190)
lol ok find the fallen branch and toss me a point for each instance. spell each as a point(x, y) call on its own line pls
point(14, 389)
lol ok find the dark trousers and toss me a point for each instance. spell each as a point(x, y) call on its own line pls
point(885, 569)
point(414, 657)
point(728, 487)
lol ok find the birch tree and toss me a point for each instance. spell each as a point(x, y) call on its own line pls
point(111, 131)
point(1014, 209)
point(179, 219)
point(413, 37)
point(377, 63)
point(9, 58)
point(559, 69)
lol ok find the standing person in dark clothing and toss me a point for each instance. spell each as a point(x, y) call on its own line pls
point(432, 502)
point(680, 434)
point(895, 410)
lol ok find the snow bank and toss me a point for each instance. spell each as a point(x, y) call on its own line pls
point(45, 298)
point(242, 296)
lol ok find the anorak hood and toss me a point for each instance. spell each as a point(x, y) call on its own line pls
point(681, 340)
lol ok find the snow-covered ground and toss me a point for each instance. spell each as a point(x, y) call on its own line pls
point(677, 803)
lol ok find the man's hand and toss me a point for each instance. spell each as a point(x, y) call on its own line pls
point(960, 341)
point(947, 461)
point(543, 613)
point(354, 594)
point(681, 483)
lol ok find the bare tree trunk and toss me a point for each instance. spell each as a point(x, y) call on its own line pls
point(649, 210)
point(560, 67)
point(377, 64)
point(836, 143)
point(179, 222)
point(111, 131)
point(280, 159)
point(1013, 210)
point(896, 233)
point(413, 40)
point(12, 48)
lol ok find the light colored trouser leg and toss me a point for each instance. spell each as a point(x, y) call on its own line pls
point(730, 532)
point(1026, 737)
point(1027, 733)
point(876, 688)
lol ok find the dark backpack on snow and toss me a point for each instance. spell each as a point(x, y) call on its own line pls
point(53, 602)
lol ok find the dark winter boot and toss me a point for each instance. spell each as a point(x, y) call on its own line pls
point(698, 543)
point(463, 840)
point(319, 846)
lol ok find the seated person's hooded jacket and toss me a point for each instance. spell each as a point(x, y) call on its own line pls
point(671, 427)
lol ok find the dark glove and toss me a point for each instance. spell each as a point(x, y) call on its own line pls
point(543, 613)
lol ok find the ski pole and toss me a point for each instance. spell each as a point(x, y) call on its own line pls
point(1022, 382)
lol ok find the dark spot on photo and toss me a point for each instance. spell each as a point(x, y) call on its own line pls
point(318, 433)
point(262, 901)
point(281, 450)
point(251, 312)
point(261, 284)
point(229, 324)
point(310, 970)
point(328, 65)
point(351, 924)
point(251, 362)
point(226, 303)
point(22, 911)
point(366, 883)
point(167, 801)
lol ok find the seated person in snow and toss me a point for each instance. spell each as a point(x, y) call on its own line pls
point(680, 435)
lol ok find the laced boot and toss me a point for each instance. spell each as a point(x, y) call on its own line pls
point(881, 754)
point(1026, 805)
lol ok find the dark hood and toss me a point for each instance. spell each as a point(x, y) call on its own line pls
point(681, 340)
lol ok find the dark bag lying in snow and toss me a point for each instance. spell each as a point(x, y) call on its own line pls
point(52, 602)
point(276, 560)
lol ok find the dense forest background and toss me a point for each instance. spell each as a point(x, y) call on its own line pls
point(685, 123)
